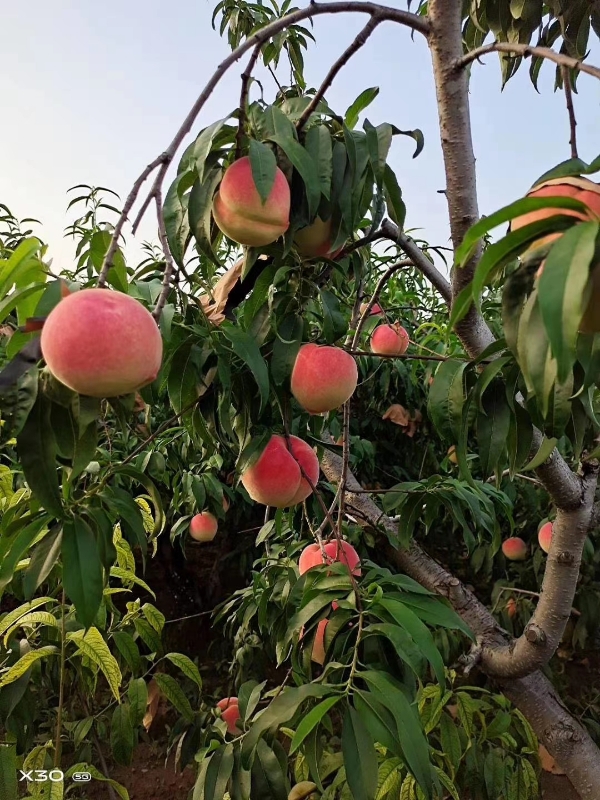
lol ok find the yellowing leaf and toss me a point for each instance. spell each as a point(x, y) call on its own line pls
point(92, 645)
point(23, 664)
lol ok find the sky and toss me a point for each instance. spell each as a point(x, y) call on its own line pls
point(92, 92)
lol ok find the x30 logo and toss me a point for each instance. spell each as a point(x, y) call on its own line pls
point(42, 775)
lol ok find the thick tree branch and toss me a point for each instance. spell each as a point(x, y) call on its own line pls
point(534, 648)
point(410, 20)
point(341, 62)
point(525, 50)
point(534, 695)
point(420, 260)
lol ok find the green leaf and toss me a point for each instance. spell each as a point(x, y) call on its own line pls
point(286, 346)
point(8, 771)
point(187, 666)
point(546, 448)
point(13, 548)
point(363, 100)
point(91, 644)
point(22, 260)
point(12, 618)
point(311, 720)
point(37, 452)
point(320, 147)
point(218, 773)
point(378, 720)
point(493, 425)
point(446, 399)
point(417, 135)
point(412, 739)
point(122, 736)
point(129, 650)
point(203, 146)
point(494, 770)
point(175, 215)
point(334, 321)
point(396, 208)
point(264, 166)
point(98, 776)
point(280, 711)
point(360, 758)
point(419, 633)
point(137, 694)
point(561, 291)
point(25, 662)
point(200, 211)
point(450, 740)
point(268, 779)
point(246, 348)
point(82, 569)
point(174, 694)
point(523, 206)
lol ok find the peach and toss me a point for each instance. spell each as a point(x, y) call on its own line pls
point(312, 556)
point(315, 240)
point(203, 527)
point(240, 213)
point(545, 536)
point(323, 377)
point(101, 343)
point(389, 340)
point(514, 549)
point(230, 712)
point(276, 478)
point(376, 310)
point(318, 651)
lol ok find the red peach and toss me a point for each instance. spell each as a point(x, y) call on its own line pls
point(101, 343)
point(203, 527)
point(318, 651)
point(276, 478)
point(323, 377)
point(514, 549)
point(240, 213)
point(312, 556)
point(545, 536)
point(230, 713)
point(389, 340)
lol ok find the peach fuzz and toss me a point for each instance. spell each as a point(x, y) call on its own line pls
point(101, 343)
point(389, 340)
point(230, 713)
point(545, 536)
point(323, 377)
point(315, 240)
point(312, 556)
point(240, 213)
point(276, 478)
point(514, 549)
point(203, 527)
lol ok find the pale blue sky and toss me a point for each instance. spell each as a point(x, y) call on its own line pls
point(92, 92)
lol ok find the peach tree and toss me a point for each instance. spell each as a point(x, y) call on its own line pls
point(282, 251)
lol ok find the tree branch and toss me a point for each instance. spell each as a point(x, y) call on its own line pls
point(246, 75)
point(566, 76)
point(525, 50)
point(534, 695)
point(410, 20)
point(341, 62)
point(421, 262)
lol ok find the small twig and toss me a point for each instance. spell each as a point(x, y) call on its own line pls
point(131, 198)
point(191, 616)
point(170, 266)
point(61, 690)
point(341, 62)
point(566, 76)
point(527, 50)
point(407, 356)
point(514, 590)
point(421, 262)
point(279, 86)
point(492, 478)
point(111, 792)
point(246, 75)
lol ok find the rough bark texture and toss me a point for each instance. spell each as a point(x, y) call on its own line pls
point(534, 695)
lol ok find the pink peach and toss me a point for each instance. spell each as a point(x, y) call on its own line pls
point(545, 536)
point(323, 377)
point(203, 527)
point(389, 340)
point(514, 549)
point(276, 478)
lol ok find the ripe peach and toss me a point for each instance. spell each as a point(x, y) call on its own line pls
point(230, 712)
point(240, 212)
point(511, 607)
point(389, 340)
point(514, 549)
point(312, 556)
point(318, 651)
point(101, 343)
point(203, 527)
point(323, 378)
point(276, 478)
point(545, 536)
point(315, 240)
